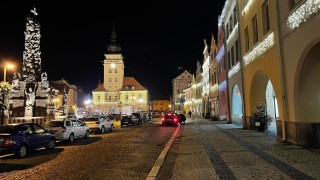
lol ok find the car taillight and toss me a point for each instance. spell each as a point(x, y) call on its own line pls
point(64, 129)
point(163, 119)
point(175, 119)
point(8, 142)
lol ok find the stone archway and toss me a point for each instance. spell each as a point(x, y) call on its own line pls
point(307, 97)
point(237, 108)
point(262, 91)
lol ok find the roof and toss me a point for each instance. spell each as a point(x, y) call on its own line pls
point(100, 88)
point(129, 82)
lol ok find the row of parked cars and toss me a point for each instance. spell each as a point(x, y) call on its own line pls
point(20, 138)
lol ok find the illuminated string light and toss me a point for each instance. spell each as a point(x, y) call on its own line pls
point(233, 33)
point(260, 49)
point(234, 70)
point(246, 8)
point(303, 13)
point(223, 13)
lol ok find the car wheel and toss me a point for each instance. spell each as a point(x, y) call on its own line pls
point(87, 134)
point(22, 151)
point(111, 128)
point(51, 144)
point(103, 130)
point(71, 138)
point(162, 124)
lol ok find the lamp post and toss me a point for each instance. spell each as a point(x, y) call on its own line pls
point(9, 66)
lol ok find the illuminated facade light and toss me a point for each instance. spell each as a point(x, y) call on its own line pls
point(222, 85)
point(224, 11)
point(220, 54)
point(234, 70)
point(303, 13)
point(260, 49)
point(233, 33)
point(246, 7)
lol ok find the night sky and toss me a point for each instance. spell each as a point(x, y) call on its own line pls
point(159, 39)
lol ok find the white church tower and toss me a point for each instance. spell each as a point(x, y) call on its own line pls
point(113, 65)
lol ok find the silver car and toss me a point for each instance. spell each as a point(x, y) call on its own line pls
point(68, 129)
point(99, 123)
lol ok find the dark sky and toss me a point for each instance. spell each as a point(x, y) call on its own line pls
point(156, 38)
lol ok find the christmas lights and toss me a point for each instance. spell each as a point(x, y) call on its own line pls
point(303, 13)
point(234, 70)
point(260, 49)
point(223, 13)
point(246, 7)
point(233, 33)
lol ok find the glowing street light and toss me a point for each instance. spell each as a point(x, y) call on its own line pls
point(9, 66)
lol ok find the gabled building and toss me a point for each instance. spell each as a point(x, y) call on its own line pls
point(197, 92)
point(178, 85)
point(205, 79)
point(213, 82)
point(118, 93)
point(230, 20)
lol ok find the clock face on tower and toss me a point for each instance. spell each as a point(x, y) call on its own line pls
point(113, 65)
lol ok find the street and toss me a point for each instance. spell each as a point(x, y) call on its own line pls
point(202, 149)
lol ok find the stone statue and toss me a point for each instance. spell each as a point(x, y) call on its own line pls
point(31, 95)
point(16, 81)
point(44, 82)
point(65, 97)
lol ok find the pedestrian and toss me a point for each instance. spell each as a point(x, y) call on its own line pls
point(192, 114)
point(189, 114)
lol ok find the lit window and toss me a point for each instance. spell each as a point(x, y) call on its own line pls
point(109, 97)
point(115, 71)
point(110, 70)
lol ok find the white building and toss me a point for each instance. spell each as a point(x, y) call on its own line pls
point(179, 84)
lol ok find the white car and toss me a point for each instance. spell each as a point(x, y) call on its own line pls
point(99, 123)
point(68, 129)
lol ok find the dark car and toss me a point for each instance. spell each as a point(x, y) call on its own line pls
point(138, 115)
point(170, 119)
point(19, 138)
point(129, 119)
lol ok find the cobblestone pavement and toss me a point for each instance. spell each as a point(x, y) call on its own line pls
point(206, 149)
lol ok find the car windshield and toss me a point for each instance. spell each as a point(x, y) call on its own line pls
point(7, 129)
point(54, 124)
point(169, 115)
point(90, 119)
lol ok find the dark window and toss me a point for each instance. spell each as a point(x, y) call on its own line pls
point(255, 34)
point(237, 51)
point(246, 36)
point(265, 18)
point(229, 60)
point(232, 56)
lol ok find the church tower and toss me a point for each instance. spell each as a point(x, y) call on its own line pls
point(113, 65)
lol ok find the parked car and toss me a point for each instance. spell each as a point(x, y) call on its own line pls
point(129, 119)
point(170, 119)
point(138, 115)
point(20, 138)
point(99, 123)
point(68, 129)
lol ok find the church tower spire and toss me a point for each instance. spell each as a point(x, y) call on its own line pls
point(114, 47)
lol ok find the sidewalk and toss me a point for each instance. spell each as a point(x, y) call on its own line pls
point(206, 149)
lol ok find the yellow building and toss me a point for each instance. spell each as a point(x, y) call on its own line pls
point(161, 105)
point(118, 93)
point(261, 59)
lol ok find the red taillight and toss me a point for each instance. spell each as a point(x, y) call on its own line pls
point(163, 119)
point(8, 142)
point(64, 129)
point(175, 119)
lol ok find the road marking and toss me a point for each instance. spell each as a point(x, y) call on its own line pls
point(157, 165)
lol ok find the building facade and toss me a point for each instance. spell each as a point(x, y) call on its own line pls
point(161, 105)
point(178, 85)
point(299, 24)
point(213, 74)
point(118, 93)
point(205, 79)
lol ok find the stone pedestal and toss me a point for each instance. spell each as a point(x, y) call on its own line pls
point(28, 111)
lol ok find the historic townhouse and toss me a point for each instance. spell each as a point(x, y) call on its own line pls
point(179, 84)
point(205, 79)
point(261, 59)
point(300, 39)
point(118, 93)
point(197, 92)
point(222, 76)
point(188, 99)
point(213, 83)
point(230, 20)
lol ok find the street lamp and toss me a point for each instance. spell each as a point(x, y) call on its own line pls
point(9, 66)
